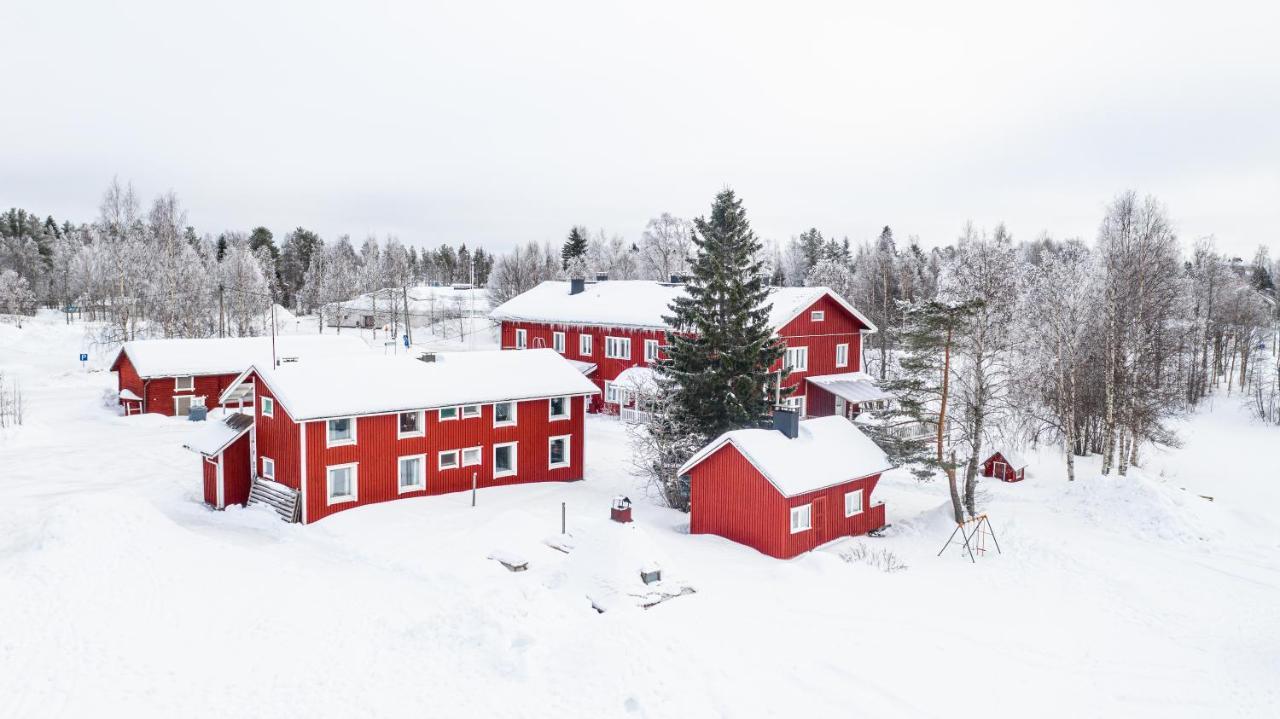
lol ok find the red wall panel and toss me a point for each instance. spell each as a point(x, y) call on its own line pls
point(277, 438)
point(210, 476)
point(236, 467)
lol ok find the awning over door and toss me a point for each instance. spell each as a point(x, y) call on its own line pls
point(855, 387)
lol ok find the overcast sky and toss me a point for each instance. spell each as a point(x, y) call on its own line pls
point(495, 123)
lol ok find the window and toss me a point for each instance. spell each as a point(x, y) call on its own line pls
point(559, 407)
point(448, 459)
point(584, 344)
point(796, 403)
point(411, 424)
point(651, 350)
point(470, 456)
point(617, 348)
point(853, 503)
point(558, 452)
point(268, 468)
point(184, 384)
point(504, 460)
point(557, 342)
point(610, 393)
point(182, 406)
point(412, 473)
point(268, 407)
point(842, 355)
point(797, 359)
point(342, 431)
point(448, 413)
point(504, 414)
point(522, 339)
point(341, 481)
point(470, 411)
point(817, 316)
point(800, 518)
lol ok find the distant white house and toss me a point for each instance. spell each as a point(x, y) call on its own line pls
point(427, 305)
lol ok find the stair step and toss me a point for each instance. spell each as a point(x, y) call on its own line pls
point(281, 500)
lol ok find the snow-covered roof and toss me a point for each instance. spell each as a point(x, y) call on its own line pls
point(852, 386)
point(1015, 460)
point(637, 379)
point(214, 437)
point(129, 395)
point(375, 384)
point(640, 303)
point(229, 355)
point(585, 368)
point(421, 299)
point(826, 452)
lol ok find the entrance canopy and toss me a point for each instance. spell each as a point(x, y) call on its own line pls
point(855, 387)
point(214, 437)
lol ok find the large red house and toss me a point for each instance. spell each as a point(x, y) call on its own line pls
point(787, 490)
point(167, 376)
point(330, 435)
point(618, 325)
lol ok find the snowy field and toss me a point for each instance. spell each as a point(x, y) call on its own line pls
point(123, 595)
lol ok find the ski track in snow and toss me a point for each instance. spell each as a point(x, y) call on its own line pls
point(123, 595)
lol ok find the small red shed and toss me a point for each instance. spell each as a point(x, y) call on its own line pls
point(787, 490)
point(1005, 465)
point(224, 445)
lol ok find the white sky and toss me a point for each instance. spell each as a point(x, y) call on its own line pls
point(497, 123)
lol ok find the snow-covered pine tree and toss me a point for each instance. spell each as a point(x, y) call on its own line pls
point(574, 246)
point(721, 348)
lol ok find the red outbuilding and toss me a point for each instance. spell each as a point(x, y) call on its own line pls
point(787, 490)
point(338, 434)
point(225, 446)
point(619, 325)
point(167, 376)
point(1006, 466)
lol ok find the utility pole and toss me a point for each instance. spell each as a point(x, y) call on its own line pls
point(408, 328)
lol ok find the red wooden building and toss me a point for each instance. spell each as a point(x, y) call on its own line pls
point(787, 490)
point(166, 376)
point(225, 446)
point(617, 325)
point(337, 434)
point(1006, 466)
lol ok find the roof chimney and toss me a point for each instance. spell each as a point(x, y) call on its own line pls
point(602, 277)
point(427, 357)
point(677, 279)
point(787, 421)
point(577, 285)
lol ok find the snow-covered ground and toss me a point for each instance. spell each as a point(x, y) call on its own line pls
point(120, 594)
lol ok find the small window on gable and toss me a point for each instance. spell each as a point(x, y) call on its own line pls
point(447, 413)
point(470, 411)
point(853, 503)
point(184, 384)
point(559, 407)
point(817, 316)
point(801, 518)
point(268, 407)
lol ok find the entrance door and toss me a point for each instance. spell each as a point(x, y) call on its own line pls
point(841, 407)
point(997, 470)
point(820, 520)
point(182, 406)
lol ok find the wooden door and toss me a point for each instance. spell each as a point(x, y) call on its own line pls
point(820, 520)
point(998, 471)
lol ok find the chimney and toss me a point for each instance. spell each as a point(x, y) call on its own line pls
point(577, 285)
point(602, 277)
point(427, 357)
point(677, 279)
point(787, 421)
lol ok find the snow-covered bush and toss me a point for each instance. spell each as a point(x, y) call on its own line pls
point(881, 559)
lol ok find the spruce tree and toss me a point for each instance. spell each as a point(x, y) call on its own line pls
point(574, 247)
point(721, 348)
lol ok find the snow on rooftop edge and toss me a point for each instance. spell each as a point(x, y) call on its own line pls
point(229, 355)
point(828, 451)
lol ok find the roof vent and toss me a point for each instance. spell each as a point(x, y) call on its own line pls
point(602, 277)
point(287, 360)
point(577, 285)
point(787, 421)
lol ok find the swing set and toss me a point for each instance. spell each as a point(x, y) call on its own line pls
point(973, 533)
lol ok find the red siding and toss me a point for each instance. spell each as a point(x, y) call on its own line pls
point(277, 438)
point(1010, 474)
point(158, 392)
point(210, 480)
point(377, 452)
point(730, 498)
point(236, 476)
point(127, 378)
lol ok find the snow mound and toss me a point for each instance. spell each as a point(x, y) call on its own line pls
point(605, 566)
point(1141, 507)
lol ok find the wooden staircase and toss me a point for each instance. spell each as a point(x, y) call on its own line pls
point(283, 499)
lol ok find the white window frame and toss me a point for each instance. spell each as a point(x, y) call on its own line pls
point(551, 412)
point(818, 316)
point(557, 342)
point(355, 484)
point(470, 411)
point(268, 468)
point(522, 339)
point(796, 359)
point(268, 407)
point(457, 459)
point(190, 386)
point(797, 403)
point(477, 460)
point(190, 398)
point(568, 449)
point(515, 465)
point(422, 425)
point(440, 414)
point(514, 412)
point(610, 389)
point(651, 348)
point(329, 442)
point(842, 354)
point(857, 509)
point(803, 512)
point(421, 484)
point(584, 344)
point(613, 348)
